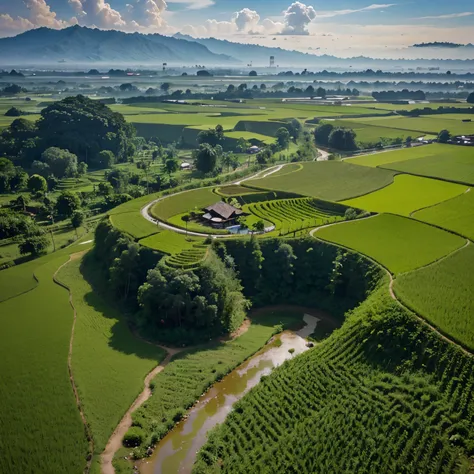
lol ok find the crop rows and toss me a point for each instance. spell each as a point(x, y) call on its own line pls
point(188, 258)
point(290, 215)
point(332, 410)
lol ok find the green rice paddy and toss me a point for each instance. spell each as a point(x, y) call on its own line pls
point(398, 243)
point(406, 195)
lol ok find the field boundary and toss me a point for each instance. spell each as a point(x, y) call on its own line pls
point(87, 429)
point(412, 213)
point(391, 290)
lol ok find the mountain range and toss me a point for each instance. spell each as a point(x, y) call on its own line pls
point(82, 45)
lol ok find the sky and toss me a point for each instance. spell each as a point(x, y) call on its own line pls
point(343, 28)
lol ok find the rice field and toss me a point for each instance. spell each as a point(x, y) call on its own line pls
point(170, 242)
point(134, 224)
point(345, 407)
point(291, 215)
point(187, 201)
point(398, 243)
point(455, 215)
point(448, 162)
point(443, 293)
point(406, 195)
point(40, 426)
point(327, 180)
point(109, 363)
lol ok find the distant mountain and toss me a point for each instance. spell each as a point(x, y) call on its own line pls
point(438, 44)
point(86, 45)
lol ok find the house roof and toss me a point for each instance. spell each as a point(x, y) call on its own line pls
point(223, 210)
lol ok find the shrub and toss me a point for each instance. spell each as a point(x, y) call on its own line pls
point(133, 437)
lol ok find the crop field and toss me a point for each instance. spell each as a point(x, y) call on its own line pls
point(449, 162)
point(455, 215)
point(328, 180)
point(343, 407)
point(407, 194)
point(289, 215)
point(134, 224)
point(188, 201)
point(109, 363)
point(443, 293)
point(398, 243)
point(170, 242)
point(191, 373)
point(6, 121)
point(38, 410)
point(235, 190)
point(397, 156)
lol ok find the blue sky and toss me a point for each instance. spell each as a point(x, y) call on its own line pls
point(342, 27)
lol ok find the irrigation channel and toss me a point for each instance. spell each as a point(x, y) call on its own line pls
point(176, 452)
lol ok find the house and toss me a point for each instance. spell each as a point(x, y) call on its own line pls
point(253, 149)
point(221, 215)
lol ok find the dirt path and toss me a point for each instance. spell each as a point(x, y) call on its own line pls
point(392, 281)
point(87, 430)
point(115, 441)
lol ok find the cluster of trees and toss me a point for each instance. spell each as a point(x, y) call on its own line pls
point(12, 89)
point(470, 98)
point(170, 304)
point(338, 138)
point(404, 94)
point(79, 125)
point(439, 110)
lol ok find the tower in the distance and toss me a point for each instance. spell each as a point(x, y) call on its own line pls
point(272, 61)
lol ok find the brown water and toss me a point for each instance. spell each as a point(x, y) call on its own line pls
point(176, 452)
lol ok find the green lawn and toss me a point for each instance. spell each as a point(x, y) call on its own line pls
point(455, 214)
point(406, 195)
point(329, 180)
point(108, 362)
point(134, 224)
point(443, 294)
point(398, 243)
point(40, 426)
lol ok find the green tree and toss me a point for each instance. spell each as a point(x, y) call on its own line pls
point(343, 139)
point(283, 138)
point(165, 87)
point(470, 98)
point(77, 220)
point(67, 203)
point(62, 163)
point(37, 183)
point(186, 218)
point(171, 165)
point(82, 169)
point(242, 145)
point(206, 158)
point(105, 189)
point(444, 136)
point(34, 245)
point(259, 226)
point(21, 202)
point(322, 132)
point(105, 159)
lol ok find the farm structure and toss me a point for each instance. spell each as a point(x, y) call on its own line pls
point(221, 215)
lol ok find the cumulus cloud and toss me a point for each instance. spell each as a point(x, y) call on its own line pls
point(8, 24)
point(297, 17)
point(98, 13)
point(246, 19)
point(147, 14)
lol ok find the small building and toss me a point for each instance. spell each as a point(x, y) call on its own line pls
point(221, 215)
point(185, 166)
point(253, 150)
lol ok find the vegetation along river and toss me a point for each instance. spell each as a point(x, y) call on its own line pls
point(176, 452)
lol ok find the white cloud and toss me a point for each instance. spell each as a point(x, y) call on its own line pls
point(445, 17)
point(246, 19)
point(297, 17)
point(98, 13)
point(375, 6)
point(40, 14)
point(8, 24)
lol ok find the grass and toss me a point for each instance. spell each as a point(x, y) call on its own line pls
point(398, 243)
point(346, 406)
point(329, 180)
point(109, 363)
point(449, 162)
point(235, 190)
point(443, 294)
point(406, 195)
point(170, 242)
point(40, 426)
point(191, 373)
point(455, 215)
point(134, 224)
point(184, 202)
